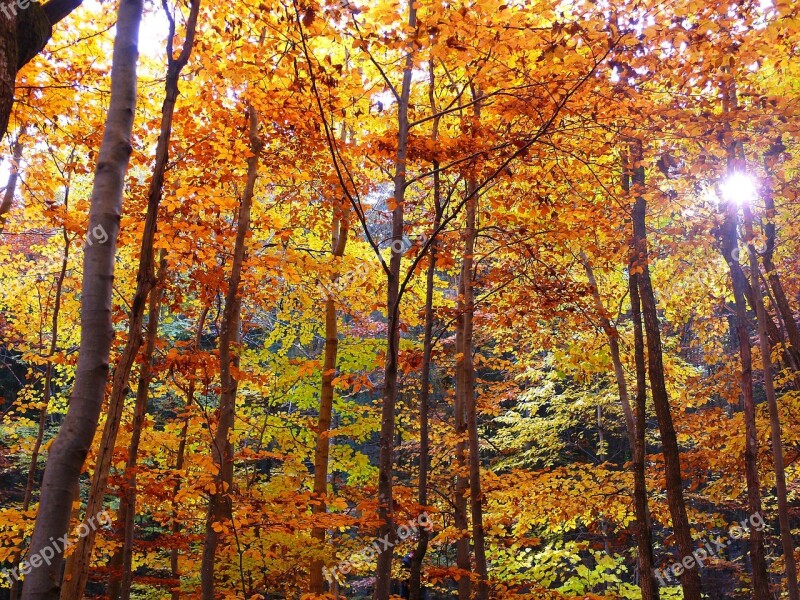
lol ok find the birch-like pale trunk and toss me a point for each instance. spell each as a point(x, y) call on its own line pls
point(77, 571)
point(68, 452)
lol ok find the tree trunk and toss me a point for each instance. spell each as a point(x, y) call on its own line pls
point(644, 534)
point(636, 430)
point(340, 229)
point(220, 507)
point(613, 342)
point(418, 557)
point(464, 581)
point(68, 452)
point(690, 578)
point(13, 176)
point(24, 32)
point(180, 459)
point(48, 384)
point(383, 574)
point(119, 584)
point(782, 305)
point(470, 400)
point(78, 565)
point(774, 419)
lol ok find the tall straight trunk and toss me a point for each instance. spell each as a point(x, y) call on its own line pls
point(383, 574)
point(636, 430)
point(460, 520)
point(13, 176)
point(180, 459)
point(119, 584)
point(46, 394)
point(220, 506)
point(8, 66)
point(690, 578)
point(78, 565)
point(742, 292)
point(340, 230)
point(782, 305)
point(68, 452)
point(470, 399)
point(729, 248)
point(418, 557)
point(644, 534)
point(790, 567)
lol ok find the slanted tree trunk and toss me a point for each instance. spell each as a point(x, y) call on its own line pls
point(78, 565)
point(340, 231)
point(415, 570)
point(119, 584)
point(613, 343)
point(13, 176)
point(68, 452)
point(644, 534)
point(383, 573)
point(690, 578)
point(180, 459)
point(729, 245)
point(220, 506)
point(636, 430)
point(787, 543)
point(782, 305)
point(48, 385)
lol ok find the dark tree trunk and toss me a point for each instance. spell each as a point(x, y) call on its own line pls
point(383, 574)
point(690, 578)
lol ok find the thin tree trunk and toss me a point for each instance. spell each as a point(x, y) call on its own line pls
point(690, 578)
point(636, 430)
point(220, 507)
point(464, 581)
point(119, 583)
point(730, 253)
point(48, 384)
point(78, 565)
point(782, 305)
point(68, 452)
point(340, 229)
point(774, 419)
point(644, 534)
point(383, 574)
point(415, 570)
point(729, 245)
point(13, 176)
point(613, 342)
point(470, 400)
point(180, 459)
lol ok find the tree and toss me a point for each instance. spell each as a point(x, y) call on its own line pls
point(68, 453)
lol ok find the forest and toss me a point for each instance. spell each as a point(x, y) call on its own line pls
point(425, 299)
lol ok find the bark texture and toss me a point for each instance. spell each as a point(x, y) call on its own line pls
point(68, 452)
point(383, 574)
point(78, 565)
point(690, 579)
